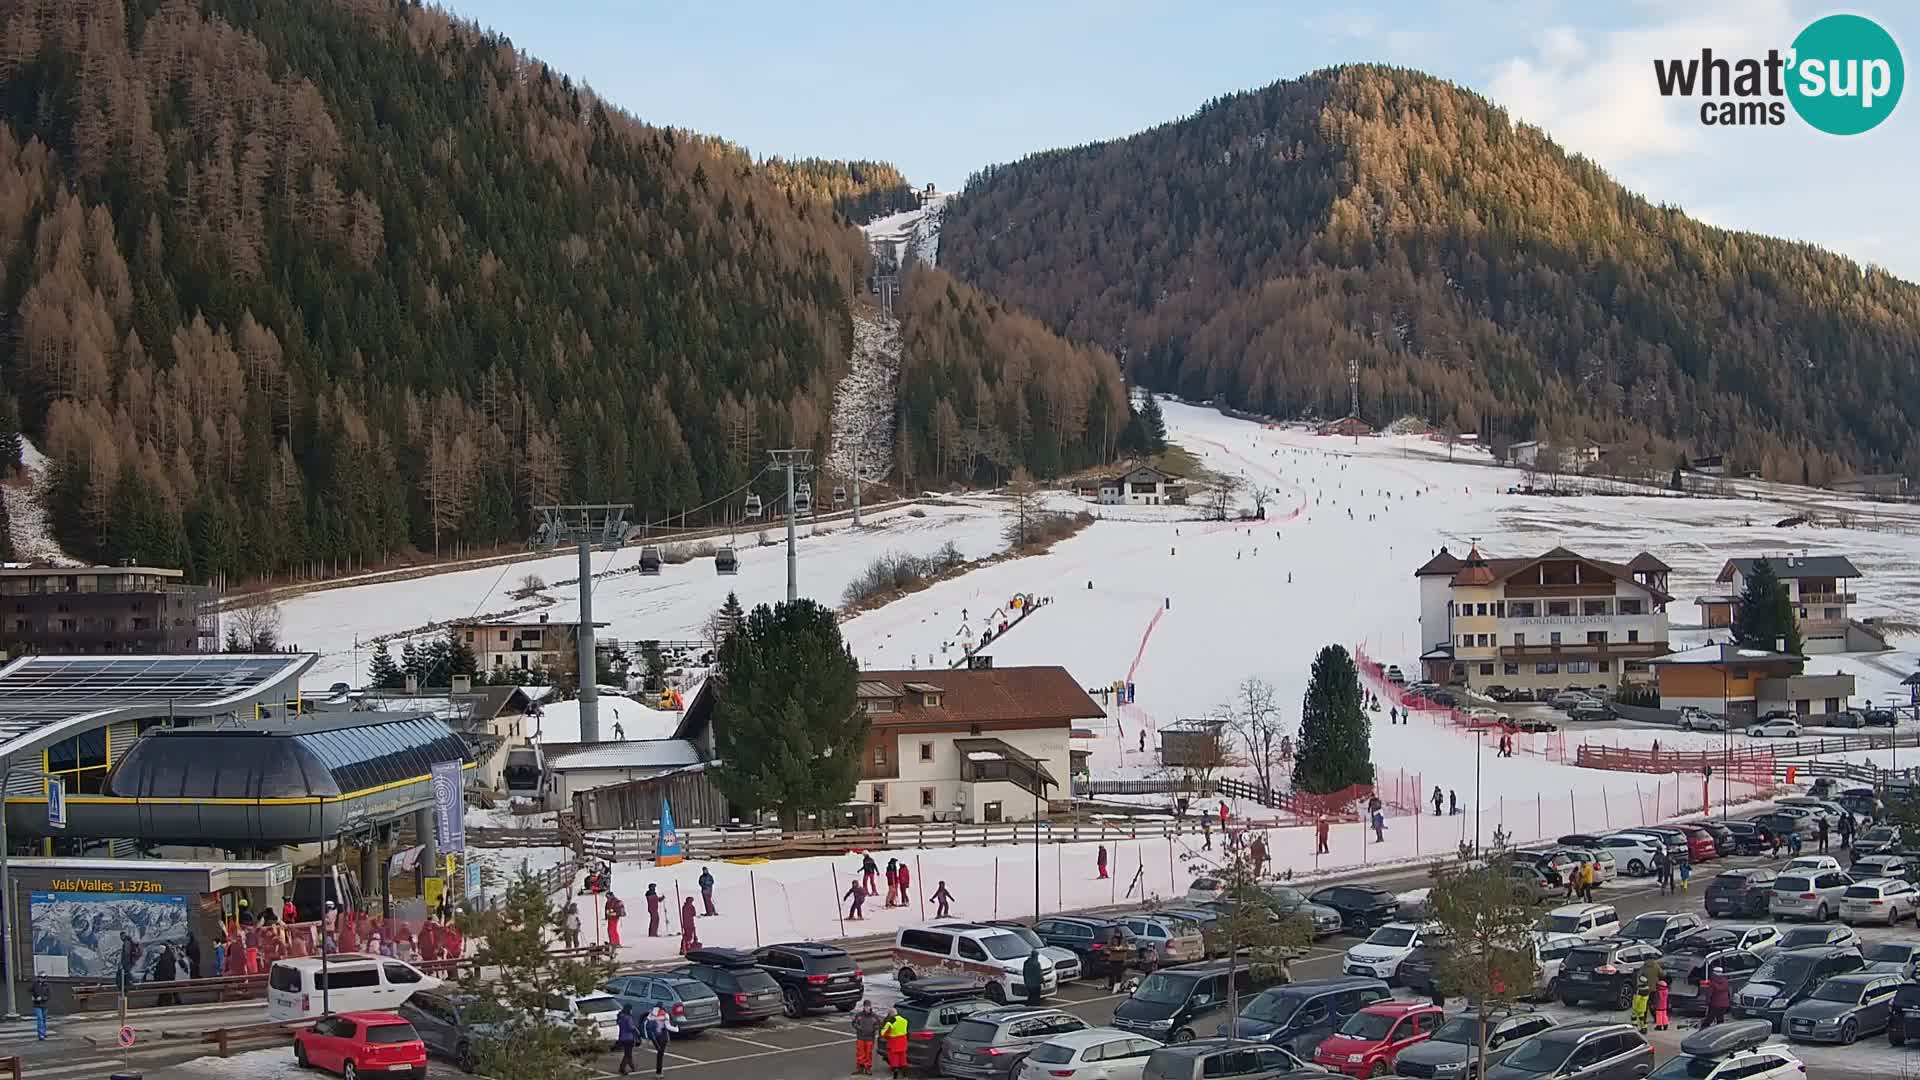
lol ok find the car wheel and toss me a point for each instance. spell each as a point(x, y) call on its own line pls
point(300, 1054)
point(1895, 1036)
point(463, 1058)
point(904, 975)
point(996, 993)
point(1636, 868)
point(348, 1071)
point(1849, 1033)
point(1569, 1000)
point(1184, 1035)
point(791, 1005)
point(1624, 998)
point(1821, 915)
point(1379, 1069)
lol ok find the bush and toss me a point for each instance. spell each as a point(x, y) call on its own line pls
point(1046, 527)
point(917, 512)
point(898, 570)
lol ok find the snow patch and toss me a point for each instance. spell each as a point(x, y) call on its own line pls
point(916, 231)
point(863, 403)
point(27, 497)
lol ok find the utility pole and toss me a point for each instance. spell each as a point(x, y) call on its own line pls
point(856, 483)
point(589, 671)
point(588, 525)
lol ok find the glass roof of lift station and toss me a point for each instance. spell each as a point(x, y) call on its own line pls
point(308, 762)
point(47, 698)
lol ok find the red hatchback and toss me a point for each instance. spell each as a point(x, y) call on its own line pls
point(361, 1043)
point(1700, 845)
point(1368, 1042)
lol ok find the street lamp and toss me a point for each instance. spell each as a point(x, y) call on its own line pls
point(1479, 745)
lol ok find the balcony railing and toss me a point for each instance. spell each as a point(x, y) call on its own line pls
point(1585, 588)
point(1586, 649)
point(1828, 598)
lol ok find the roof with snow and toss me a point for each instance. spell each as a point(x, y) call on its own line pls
point(1788, 567)
point(647, 754)
point(560, 721)
point(481, 703)
point(1727, 653)
point(966, 696)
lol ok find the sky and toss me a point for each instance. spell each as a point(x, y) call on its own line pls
point(942, 90)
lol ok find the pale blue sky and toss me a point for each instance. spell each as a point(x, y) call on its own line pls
point(943, 89)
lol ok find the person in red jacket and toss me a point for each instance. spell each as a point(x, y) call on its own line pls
point(654, 903)
point(1320, 832)
point(906, 881)
point(688, 942)
point(1100, 860)
point(615, 910)
point(289, 913)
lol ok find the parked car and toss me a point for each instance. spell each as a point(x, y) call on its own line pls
point(1687, 975)
point(1877, 900)
point(1084, 936)
point(1173, 1004)
point(1416, 971)
point(1661, 928)
point(1219, 1059)
point(1456, 1045)
point(813, 976)
point(1591, 710)
point(1497, 692)
point(1604, 972)
point(1886, 865)
point(353, 1043)
point(1693, 719)
point(1891, 957)
point(992, 1045)
point(1820, 807)
point(1905, 1017)
point(984, 953)
point(1776, 728)
point(1093, 1054)
point(1723, 838)
point(1701, 846)
point(1754, 939)
point(933, 1007)
point(1591, 922)
point(1806, 937)
point(1173, 940)
point(692, 1004)
point(1631, 852)
point(1395, 676)
point(1289, 901)
point(747, 994)
point(1298, 1016)
point(1880, 717)
point(1362, 908)
point(1862, 803)
point(1533, 882)
point(1844, 718)
point(1807, 895)
point(1743, 892)
point(1203, 889)
point(447, 1025)
point(1380, 955)
point(1789, 976)
point(1566, 700)
point(1736, 1051)
point(1844, 1008)
point(1678, 845)
point(1066, 963)
point(1749, 837)
point(1878, 839)
point(1368, 1042)
point(1589, 1050)
point(1550, 952)
point(593, 1017)
point(1785, 821)
point(1778, 713)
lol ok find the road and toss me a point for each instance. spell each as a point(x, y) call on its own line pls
point(820, 1047)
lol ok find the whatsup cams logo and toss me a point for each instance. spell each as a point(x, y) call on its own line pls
point(1842, 75)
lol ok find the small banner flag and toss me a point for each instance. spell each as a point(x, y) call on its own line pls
point(667, 851)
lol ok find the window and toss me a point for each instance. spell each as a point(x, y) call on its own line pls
point(1579, 667)
point(1524, 609)
point(1593, 607)
point(1553, 638)
point(1466, 641)
point(1631, 605)
point(879, 753)
point(931, 701)
point(1547, 667)
point(1500, 609)
point(1830, 613)
point(1603, 666)
point(926, 751)
point(401, 973)
point(1559, 607)
point(1833, 704)
point(879, 793)
point(346, 978)
point(1480, 640)
point(1519, 640)
point(1479, 609)
point(503, 635)
point(971, 950)
point(1596, 637)
point(1633, 636)
point(1509, 669)
point(926, 796)
point(1486, 669)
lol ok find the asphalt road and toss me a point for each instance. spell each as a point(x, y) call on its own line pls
point(821, 1047)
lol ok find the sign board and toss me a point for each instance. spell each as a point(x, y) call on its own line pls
point(436, 888)
point(473, 877)
point(450, 826)
point(56, 803)
point(126, 1037)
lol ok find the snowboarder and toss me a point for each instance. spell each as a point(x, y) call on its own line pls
point(941, 900)
point(654, 901)
point(906, 882)
point(706, 889)
point(615, 909)
point(856, 898)
point(1438, 800)
point(1100, 861)
point(688, 942)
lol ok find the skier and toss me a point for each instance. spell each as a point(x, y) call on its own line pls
point(706, 889)
point(654, 901)
point(688, 942)
point(619, 732)
point(941, 899)
point(1100, 861)
point(893, 882)
point(1379, 827)
point(857, 900)
point(906, 882)
point(1453, 803)
point(1143, 740)
point(871, 870)
point(1438, 799)
point(615, 909)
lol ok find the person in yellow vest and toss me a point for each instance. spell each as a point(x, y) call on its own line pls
point(893, 1034)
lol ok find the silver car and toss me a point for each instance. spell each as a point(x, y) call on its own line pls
point(1808, 895)
point(1886, 900)
point(1844, 1008)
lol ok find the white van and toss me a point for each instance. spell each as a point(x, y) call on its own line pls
point(1592, 922)
point(298, 989)
point(990, 954)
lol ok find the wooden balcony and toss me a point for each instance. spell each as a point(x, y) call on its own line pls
point(1585, 650)
point(1594, 589)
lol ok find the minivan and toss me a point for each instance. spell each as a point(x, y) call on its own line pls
point(993, 956)
point(1299, 1016)
point(1171, 1003)
point(1592, 922)
point(298, 989)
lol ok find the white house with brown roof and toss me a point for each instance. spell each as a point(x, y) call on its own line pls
point(974, 745)
point(1821, 589)
point(1141, 486)
point(524, 642)
point(1549, 621)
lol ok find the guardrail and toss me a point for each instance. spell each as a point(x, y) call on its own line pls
point(275, 1032)
point(632, 845)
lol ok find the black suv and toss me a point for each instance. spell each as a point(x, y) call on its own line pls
point(747, 994)
point(1749, 837)
point(1362, 908)
point(1604, 971)
point(1085, 937)
point(1904, 1017)
point(1416, 971)
point(932, 1007)
point(1687, 971)
point(1734, 893)
point(1579, 1051)
point(813, 976)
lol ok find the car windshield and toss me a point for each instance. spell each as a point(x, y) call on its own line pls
point(1005, 946)
point(1372, 1027)
point(1802, 936)
point(1784, 970)
point(1537, 1056)
point(1884, 951)
point(1161, 988)
point(1836, 990)
point(1645, 928)
point(1564, 924)
point(974, 1031)
point(1392, 936)
point(1284, 896)
point(1464, 1030)
point(1880, 834)
point(1051, 1054)
point(1588, 959)
point(1272, 1008)
point(1032, 939)
point(597, 1006)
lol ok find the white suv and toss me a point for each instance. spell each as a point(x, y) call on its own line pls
point(1379, 956)
point(1588, 922)
point(1695, 719)
point(1807, 894)
point(1885, 900)
point(1632, 852)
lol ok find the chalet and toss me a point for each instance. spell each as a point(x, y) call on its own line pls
point(1526, 455)
point(1742, 684)
point(527, 642)
point(1350, 426)
point(1142, 486)
point(1822, 601)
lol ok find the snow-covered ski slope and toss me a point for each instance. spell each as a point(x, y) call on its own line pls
point(670, 607)
point(917, 231)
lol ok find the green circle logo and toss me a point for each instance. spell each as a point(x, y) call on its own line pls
point(1847, 74)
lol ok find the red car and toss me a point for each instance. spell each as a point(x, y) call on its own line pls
point(1700, 845)
point(1368, 1042)
point(361, 1043)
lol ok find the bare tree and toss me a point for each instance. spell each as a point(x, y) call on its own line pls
point(1221, 498)
point(1023, 510)
point(1550, 461)
point(1256, 719)
point(1450, 434)
point(253, 629)
point(1260, 497)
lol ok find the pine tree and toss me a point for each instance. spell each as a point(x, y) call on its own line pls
point(731, 613)
point(9, 436)
point(460, 657)
point(789, 731)
point(520, 1041)
point(1335, 734)
point(654, 666)
point(1154, 423)
point(412, 664)
point(1763, 615)
point(383, 673)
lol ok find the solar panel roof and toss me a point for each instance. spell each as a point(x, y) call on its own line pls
point(39, 693)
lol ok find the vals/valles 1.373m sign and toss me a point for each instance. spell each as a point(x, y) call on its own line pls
point(1842, 75)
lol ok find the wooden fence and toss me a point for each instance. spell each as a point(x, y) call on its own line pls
point(628, 846)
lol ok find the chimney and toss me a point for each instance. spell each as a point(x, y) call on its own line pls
point(543, 616)
point(413, 684)
point(1780, 644)
point(463, 684)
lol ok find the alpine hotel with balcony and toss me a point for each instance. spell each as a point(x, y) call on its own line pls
point(1546, 622)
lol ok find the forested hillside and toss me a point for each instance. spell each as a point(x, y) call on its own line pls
point(299, 283)
point(1481, 277)
point(856, 190)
